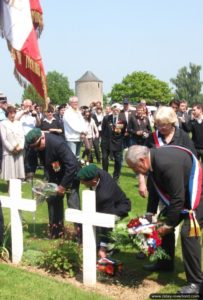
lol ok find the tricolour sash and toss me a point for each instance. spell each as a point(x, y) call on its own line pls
point(195, 190)
point(157, 140)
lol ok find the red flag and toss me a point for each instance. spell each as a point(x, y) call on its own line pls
point(36, 12)
point(22, 41)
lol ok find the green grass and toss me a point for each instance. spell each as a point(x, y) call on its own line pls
point(18, 284)
point(35, 238)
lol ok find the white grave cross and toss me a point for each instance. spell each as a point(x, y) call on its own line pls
point(89, 219)
point(16, 205)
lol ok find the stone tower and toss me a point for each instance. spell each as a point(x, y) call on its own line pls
point(89, 88)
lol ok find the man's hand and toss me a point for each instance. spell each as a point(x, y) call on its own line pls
point(60, 190)
point(143, 190)
point(18, 148)
point(142, 187)
point(139, 132)
point(182, 119)
point(102, 252)
point(82, 136)
point(163, 230)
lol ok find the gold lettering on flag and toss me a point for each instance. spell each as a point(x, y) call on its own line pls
point(32, 65)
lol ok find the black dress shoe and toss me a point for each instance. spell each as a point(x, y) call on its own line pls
point(192, 288)
point(158, 267)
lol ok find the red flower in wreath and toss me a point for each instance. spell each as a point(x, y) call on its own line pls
point(134, 223)
point(56, 166)
point(151, 250)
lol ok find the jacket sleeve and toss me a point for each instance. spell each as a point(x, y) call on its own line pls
point(69, 162)
point(187, 126)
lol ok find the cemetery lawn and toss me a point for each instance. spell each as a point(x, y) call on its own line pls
point(133, 283)
point(17, 284)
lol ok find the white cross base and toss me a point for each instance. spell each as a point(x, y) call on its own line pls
point(16, 205)
point(89, 218)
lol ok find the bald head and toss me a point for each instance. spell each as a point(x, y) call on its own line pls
point(27, 103)
point(138, 159)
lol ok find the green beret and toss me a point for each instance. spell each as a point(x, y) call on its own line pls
point(33, 135)
point(87, 173)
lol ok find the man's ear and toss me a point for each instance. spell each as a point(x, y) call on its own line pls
point(142, 159)
point(94, 180)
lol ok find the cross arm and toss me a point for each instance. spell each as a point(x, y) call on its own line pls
point(23, 204)
point(94, 219)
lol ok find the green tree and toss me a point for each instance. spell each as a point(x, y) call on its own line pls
point(141, 85)
point(188, 84)
point(58, 89)
point(105, 100)
point(31, 93)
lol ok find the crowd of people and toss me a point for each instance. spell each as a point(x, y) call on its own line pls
point(66, 140)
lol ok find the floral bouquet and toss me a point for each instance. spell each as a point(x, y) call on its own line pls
point(142, 235)
point(42, 190)
point(118, 126)
point(109, 266)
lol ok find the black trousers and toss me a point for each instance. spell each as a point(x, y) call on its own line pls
point(97, 149)
point(117, 155)
point(191, 251)
point(105, 158)
point(56, 215)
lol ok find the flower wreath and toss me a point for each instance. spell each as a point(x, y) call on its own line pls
point(142, 235)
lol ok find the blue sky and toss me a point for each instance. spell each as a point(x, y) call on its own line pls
point(113, 38)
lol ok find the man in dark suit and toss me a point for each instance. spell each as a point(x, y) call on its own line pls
point(127, 114)
point(139, 126)
point(171, 169)
point(195, 126)
point(62, 167)
point(113, 131)
point(110, 199)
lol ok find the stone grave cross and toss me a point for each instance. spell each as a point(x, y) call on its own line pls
point(89, 218)
point(16, 205)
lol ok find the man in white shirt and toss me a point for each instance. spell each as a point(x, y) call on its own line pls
point(74, 126)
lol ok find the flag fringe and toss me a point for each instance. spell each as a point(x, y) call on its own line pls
point(37, 21)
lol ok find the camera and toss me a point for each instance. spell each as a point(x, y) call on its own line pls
point(33, 113)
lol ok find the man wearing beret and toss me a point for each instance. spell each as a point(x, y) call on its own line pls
point(62, 167)
point(110, 198)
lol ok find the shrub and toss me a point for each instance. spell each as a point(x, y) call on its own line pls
point(32, 257)
point(65, 259)
point(5, 248)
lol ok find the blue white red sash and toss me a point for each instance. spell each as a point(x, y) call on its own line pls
point(157, 140)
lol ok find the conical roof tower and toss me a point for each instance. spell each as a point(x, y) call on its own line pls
point(89, 88)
